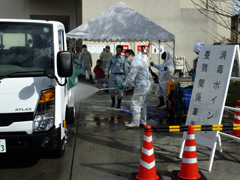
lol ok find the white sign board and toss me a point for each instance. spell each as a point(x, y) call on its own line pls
point(156, 49)
point(97, 49)
point(210, 89)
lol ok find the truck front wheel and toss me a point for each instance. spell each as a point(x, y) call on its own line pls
point(70, 115)
point(60, 149)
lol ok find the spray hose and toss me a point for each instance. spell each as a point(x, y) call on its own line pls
point(149, 108)
point(173, 93)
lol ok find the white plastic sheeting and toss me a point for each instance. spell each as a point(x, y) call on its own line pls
point(120, 23)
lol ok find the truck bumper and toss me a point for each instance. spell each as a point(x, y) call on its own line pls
point(39, 142)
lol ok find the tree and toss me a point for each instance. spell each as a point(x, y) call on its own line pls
point(220, 12)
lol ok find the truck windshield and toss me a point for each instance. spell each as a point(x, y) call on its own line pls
point(26, 48)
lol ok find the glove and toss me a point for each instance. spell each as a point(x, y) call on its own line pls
point(165, 67)
point(120, 87)
point(151, 63)
point(190, 73)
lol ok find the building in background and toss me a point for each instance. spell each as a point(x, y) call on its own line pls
point(180, 17)
point(68, 12)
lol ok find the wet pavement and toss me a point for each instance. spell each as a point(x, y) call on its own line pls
point(101, 147)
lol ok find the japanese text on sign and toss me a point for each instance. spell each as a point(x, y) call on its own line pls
point(210, 89)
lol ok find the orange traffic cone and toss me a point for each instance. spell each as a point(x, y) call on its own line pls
point(147, 168)
point(189, 168)
point(236, 120)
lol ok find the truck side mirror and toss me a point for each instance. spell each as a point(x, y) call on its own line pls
point(64, 64)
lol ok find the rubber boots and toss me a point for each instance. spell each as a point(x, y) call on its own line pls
point(134, 124)
point(81, 77)
point(161, 102)
point(166, 106)
point(91, 79)
point(113, 101)
point(119, 103)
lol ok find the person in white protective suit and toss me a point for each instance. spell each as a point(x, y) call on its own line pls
point(197, 49)
point(143, 54)
point(165, 75)
point(139, 74)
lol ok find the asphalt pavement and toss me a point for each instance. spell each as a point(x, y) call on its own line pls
point(106, 149)
point(101, 147)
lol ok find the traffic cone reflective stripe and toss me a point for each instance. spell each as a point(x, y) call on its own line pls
point(190, 156)
point(147, 167)
point(147, 152)
point(237, 113)
point(189, 160)
point(190, 136)
point(147, 158)
point(236, 120)
point(189, 167)
point(190, 148)
point(148, 139)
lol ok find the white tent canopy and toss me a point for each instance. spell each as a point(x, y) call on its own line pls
point(120, 23)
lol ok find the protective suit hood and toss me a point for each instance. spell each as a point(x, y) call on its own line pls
point(198, 47)
point(169, 59)
point(169, 56)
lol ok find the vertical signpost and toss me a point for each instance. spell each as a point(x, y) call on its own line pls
point(209, 93)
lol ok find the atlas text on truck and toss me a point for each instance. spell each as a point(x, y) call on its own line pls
point(34, 96)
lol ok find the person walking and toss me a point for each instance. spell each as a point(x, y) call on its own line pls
point(166, 75)
point(139, 74)
point(118, 67)
point(105, 56)
point(85, 60)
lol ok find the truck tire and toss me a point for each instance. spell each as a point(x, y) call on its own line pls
point(70, 115)
point(60, 150)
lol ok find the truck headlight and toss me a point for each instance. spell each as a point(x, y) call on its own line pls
point(44, 117)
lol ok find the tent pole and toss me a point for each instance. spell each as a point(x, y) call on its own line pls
point(135, 47)
point(159, 52)
point(150, 54)
point(173, 48)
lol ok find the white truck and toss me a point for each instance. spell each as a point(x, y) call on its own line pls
point(34, 94)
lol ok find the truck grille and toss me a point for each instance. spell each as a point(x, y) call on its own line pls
point(8, 118)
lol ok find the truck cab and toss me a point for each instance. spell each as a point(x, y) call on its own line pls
point(34, 95)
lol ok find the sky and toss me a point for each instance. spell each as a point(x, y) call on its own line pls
point(235, 7)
